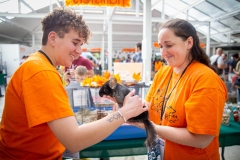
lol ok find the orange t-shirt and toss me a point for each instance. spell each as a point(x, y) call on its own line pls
point(34, 96)
point(196, 103)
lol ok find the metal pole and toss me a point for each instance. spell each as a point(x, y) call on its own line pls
point(208, 41)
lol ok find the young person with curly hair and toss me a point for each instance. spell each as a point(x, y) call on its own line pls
point(37, 120)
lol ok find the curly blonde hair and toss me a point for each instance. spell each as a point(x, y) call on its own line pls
point(61, 21)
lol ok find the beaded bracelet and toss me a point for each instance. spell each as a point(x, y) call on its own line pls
point(122, 116)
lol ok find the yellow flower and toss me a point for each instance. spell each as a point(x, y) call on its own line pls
point(87, 82)
point(137, 76)
point(106, 74)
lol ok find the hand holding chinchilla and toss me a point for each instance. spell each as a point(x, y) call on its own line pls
point(119, 92)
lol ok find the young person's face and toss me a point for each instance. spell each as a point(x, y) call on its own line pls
point(174, 50)
point(79, 78)
point(68, 48)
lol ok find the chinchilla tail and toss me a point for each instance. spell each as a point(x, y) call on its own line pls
point(151, 134)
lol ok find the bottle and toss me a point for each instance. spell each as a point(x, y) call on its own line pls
point(235, 117)
point(236, 114)
point(226, 116)
point(236, 110)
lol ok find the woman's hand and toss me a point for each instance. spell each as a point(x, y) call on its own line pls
point(115, 105)
point(110, 98)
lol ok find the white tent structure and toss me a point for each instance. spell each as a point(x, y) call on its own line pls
point(20, 20)
point(114, 28)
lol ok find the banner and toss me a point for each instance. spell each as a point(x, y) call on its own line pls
point(99, 3)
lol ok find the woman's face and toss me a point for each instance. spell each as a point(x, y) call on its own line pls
point(174, 50)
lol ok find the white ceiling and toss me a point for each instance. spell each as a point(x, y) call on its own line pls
point(23, 24)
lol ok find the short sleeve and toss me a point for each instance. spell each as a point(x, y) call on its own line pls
point(220, 60)
point(45, 98)
point(204, 107)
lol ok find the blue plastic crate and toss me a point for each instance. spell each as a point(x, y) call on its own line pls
point(127, 132)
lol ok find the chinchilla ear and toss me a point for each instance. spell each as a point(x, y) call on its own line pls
point(113, 83)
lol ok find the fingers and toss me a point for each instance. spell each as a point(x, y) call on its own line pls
point(145, 108)
point(130, 94)
point(145, 105)
point(110, 98)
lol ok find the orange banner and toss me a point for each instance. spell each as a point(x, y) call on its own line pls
point(95, 49)
point(84, 49)
point(128, 50)
point(202, 45)
point(99, 3)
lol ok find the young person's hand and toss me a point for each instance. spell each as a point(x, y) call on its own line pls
point(67, 76)
point(132, 105)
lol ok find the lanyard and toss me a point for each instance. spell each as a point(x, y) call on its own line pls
point(45, 56)
point(164, 97)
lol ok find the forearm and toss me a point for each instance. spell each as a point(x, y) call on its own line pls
point(236, 72)
point(95, 132)
point(76, 138)
point(183, 136)
point(221, 66)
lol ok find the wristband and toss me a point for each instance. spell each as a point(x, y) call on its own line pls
point(122, 116)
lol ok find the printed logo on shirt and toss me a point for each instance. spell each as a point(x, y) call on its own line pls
point(157, 104)
point(170, 115)
point(157, 100)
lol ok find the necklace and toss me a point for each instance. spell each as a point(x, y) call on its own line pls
point(45, 56)
point(165, 99)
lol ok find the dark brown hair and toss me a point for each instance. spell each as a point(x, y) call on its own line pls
point(139, 45)
point(184, 30)
point(62, 21)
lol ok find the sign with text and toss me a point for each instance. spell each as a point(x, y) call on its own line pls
point(99, 3)
point(126, 70)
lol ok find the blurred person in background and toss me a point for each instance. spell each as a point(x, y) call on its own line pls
point(128, 60)
point(24, 58)
point(234, 60)
point(80, 76)
point(99, 66)
point(217, 62)
point(227, 64)
point(137, 56)
point(79, 60)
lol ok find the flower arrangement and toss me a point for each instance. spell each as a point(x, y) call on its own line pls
point(98, 81)
point(99, 3)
